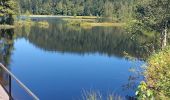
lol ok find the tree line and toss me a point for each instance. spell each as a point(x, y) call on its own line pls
point(106, 8)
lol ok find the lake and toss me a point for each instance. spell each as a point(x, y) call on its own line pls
point(66, 62)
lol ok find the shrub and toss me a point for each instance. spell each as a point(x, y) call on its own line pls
point(157, 74)
point(144, 93)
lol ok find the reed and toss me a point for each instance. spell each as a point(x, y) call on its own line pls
point(96, 95)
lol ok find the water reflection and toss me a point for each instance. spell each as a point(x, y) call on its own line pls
point(9, 83)
point(103, 40)
point(6, 47)
point(103, 49)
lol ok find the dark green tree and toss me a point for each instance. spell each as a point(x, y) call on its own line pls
point(108, 9)
point(154, 16)
point(119, 9)
point(8, 8)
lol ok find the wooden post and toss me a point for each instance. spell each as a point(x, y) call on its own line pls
point(10, 88)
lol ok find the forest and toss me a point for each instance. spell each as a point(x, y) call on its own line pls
point(120, 9)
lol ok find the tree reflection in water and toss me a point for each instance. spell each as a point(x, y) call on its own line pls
point(6, 47)
point(63, 38)
point(103, 40)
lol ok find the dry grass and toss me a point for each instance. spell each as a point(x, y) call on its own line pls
point(21, 23)
point(102, 24)
point(79, 19)
point(96, 95)
point(26, 23)
point(85, 17)
point(6, 26)
point(90, 21)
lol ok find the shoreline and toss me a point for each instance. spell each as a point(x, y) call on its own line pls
point(52, 16)
point(59, 16)
point(7, 26)
point(83, 21)
point(44, 16)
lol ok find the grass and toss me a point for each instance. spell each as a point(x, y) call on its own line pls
point(86, 24)
point(40, 24)
point(93, 24)
point(85, 17)
point(21, 23)
point(79, 19)
point(96, 95)
point(90, 21)
point(6, 26)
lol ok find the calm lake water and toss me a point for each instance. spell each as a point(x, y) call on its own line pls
point(61, 62)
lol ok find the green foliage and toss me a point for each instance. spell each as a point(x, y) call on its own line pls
point(150, 18)
point(108, 9)
point(153, 14)
point(158, 73)
point(28, 19)
point(8, 8)
point(27, 13)
point(143, 93)
point(119, 9)
point(8, 36)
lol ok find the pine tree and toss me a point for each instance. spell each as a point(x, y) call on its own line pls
point(8, 8)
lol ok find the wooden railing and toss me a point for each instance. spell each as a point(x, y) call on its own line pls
point(12, 76)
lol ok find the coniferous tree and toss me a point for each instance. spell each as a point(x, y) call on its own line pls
point(154, 15)
point(120, 9)
point(8, 8)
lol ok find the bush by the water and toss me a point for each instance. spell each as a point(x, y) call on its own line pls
point(158, 75)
